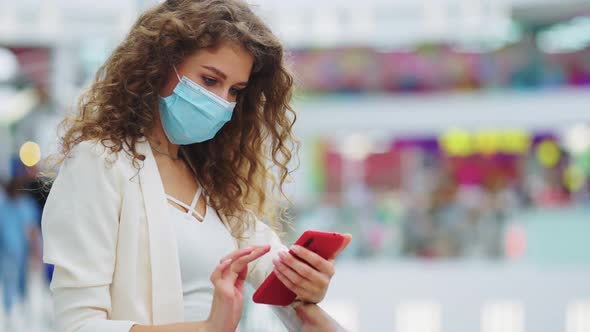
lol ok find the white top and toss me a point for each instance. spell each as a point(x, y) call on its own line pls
point(197, 257)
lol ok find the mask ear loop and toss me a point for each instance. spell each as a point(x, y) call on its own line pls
point(178, 76)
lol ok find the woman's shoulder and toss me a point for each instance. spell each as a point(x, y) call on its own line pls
point(101, 153)
point(90, 149)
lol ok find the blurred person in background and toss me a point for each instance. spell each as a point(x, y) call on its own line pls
point(152, 223)
point(18, 231)
point(2, 192)
point(40, 124)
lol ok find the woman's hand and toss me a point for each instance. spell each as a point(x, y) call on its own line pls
point(309, 281)
point(228, 298)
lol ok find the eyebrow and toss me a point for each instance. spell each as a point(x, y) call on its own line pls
point(222, 74)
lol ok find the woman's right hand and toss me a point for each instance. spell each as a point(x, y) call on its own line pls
point(228, 280)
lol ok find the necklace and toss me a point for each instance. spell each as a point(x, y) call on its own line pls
point(163, 153)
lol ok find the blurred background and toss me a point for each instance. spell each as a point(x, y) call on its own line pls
point(450, 137)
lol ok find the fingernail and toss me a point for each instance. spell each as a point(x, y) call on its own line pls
point(282, 254)
point(275, 261)
point(295, 248)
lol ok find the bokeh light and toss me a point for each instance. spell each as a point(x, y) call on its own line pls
point(487, 142)
point(516, 141)
point(577, 139)
point(516, 242)
point(30, 154)
point(457, 142)
point(573, 178)
point(548, 153)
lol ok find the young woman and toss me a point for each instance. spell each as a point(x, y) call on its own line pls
point(152, 221)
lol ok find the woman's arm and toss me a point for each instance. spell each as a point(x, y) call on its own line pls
point(315, 319)
point(80, 231)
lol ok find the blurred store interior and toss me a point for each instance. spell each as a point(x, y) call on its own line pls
point(450, 137)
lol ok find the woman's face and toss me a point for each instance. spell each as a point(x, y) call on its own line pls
point(223, 71)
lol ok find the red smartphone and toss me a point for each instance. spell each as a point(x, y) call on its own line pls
point(273, 291)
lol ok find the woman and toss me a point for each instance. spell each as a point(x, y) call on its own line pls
point(149, 222)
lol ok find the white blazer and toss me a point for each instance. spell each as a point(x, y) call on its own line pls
point(106, 230)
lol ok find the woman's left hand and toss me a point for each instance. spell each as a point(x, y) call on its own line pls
point(308, 281)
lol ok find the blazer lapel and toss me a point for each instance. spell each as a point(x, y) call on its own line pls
point(167, 303)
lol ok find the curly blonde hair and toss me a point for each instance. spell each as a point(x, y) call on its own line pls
point(244, 167)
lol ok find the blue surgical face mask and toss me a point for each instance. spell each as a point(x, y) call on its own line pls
point(192, 114)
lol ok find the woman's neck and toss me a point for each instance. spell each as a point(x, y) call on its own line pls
point(158, 139)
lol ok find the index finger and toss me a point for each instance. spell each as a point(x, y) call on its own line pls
point(239, 264)
point(240, 252)
point(239, 267)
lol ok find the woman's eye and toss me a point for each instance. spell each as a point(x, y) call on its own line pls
point(209, 81)
point(235, 92)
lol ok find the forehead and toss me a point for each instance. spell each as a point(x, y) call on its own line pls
point(233, 60)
